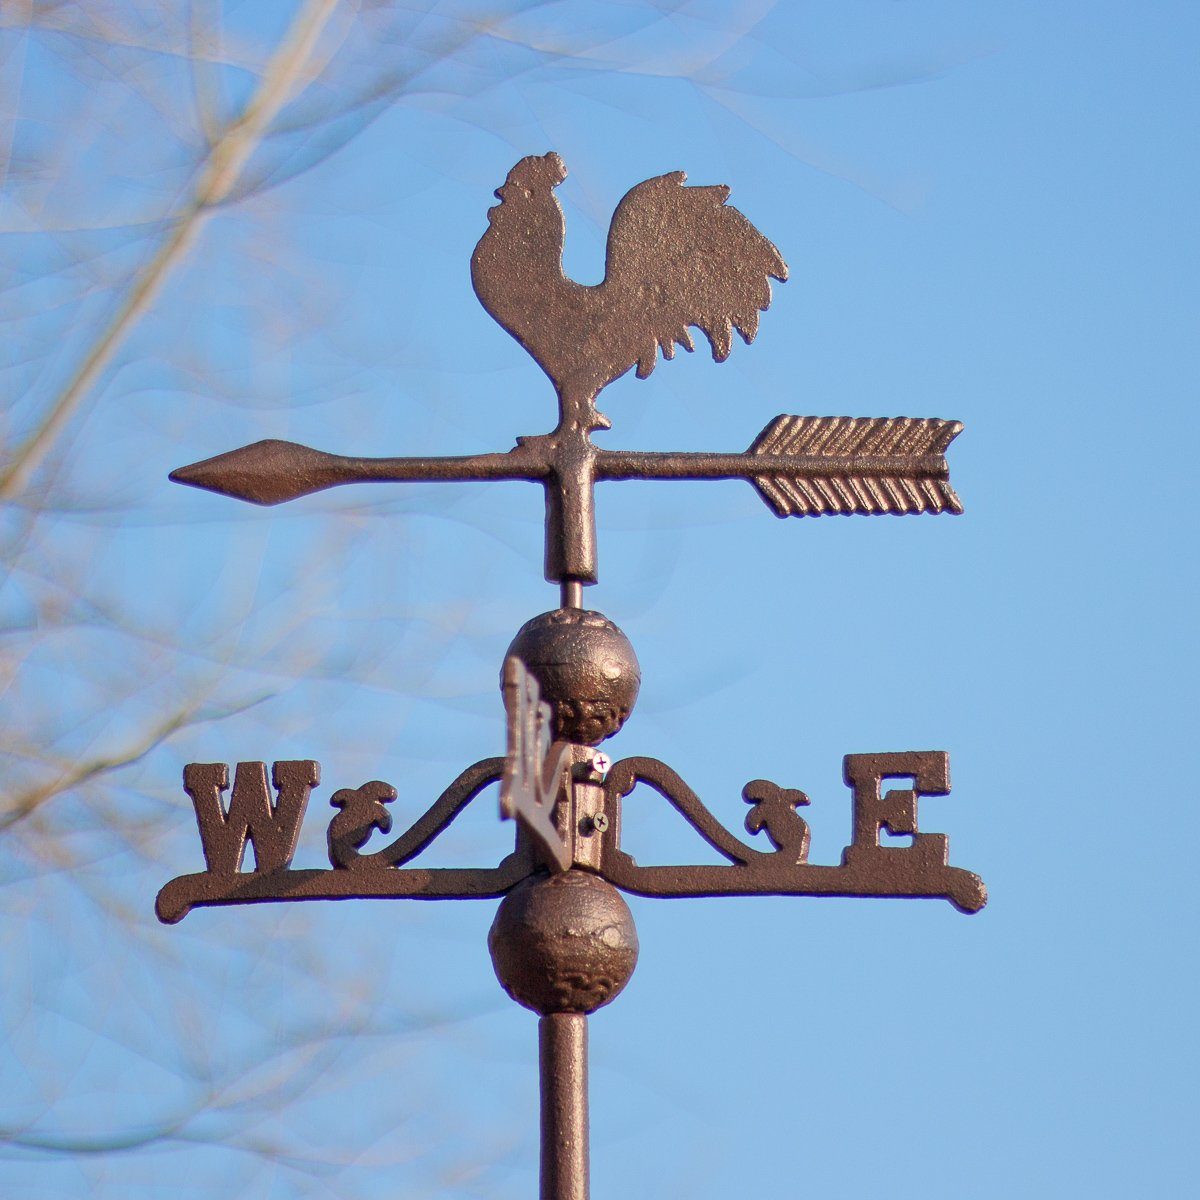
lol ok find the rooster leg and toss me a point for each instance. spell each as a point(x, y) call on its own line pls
point(577, 412)
point(570, 488)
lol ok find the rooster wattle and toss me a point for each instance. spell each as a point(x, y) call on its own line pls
point(677, 257)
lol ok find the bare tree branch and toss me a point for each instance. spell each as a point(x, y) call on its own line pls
point(93, 769)
point(220, 173)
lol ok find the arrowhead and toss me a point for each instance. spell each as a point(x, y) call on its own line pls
point(267, 472)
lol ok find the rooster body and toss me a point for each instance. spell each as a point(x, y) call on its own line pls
point(677, 257)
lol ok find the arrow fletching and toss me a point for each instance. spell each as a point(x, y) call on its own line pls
point(267, 472)
point(878, 465)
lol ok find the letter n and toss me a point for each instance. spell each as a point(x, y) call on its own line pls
point(271, 828)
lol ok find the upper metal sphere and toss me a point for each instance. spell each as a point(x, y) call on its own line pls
point(586, 669)
point(563, 943)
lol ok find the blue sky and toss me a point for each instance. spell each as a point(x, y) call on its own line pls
point(989, 215)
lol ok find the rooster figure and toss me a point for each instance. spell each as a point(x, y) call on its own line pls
point(677, 257)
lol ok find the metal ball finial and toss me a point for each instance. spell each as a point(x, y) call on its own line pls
point(586, 670)
point(563, 943)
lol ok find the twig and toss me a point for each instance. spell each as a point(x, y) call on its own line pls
point(221, 171)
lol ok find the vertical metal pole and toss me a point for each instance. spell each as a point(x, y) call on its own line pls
point(562, 1055)
point(571, 508)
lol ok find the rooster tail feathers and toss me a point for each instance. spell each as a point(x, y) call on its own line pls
point(720, 338)
point(682, 257)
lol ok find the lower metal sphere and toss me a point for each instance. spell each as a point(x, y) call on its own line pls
point(586, 669)
point(563, 943)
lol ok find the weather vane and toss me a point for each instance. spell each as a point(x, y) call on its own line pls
point(563, 942)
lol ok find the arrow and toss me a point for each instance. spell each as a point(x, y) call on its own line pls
point(813, 466)
point(801, 466)
point(535, 770)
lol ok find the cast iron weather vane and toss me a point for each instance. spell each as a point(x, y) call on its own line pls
point(563, 942)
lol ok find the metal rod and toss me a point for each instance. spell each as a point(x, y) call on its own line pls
point(272, 472)
point(571, 513)
point(571, 593)
point(453, 469)
point(640, 464)
point(562, 1055)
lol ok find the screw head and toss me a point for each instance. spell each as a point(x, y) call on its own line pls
point(601, 763)
point(599, 822)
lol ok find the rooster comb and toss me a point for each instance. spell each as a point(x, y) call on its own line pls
point(538, 169)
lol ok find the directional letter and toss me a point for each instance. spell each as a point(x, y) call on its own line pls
point(895, 811)
point(272, 829)
point(534, 769)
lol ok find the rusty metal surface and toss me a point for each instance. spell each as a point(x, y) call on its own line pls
point(678, 258)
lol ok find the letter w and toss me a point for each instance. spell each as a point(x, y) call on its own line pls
point(272, 829)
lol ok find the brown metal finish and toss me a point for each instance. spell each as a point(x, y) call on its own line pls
point(827, 451)
point(584, 830)
point(273, 471)
point(867, 869)
point(355, 876)
point(583, 814)
point(586, 668)
point(204, 890)
point(535, 771)
point(872, 465)
point(272, 828)
point(813, 466)
point(362, 811)
point(563, 946)
point(678, 257)
point(563, 1068)
point(802, 467)
point(563, 942)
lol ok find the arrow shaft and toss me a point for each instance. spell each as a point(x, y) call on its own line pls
point(567, 466)
point(467, 468)
point(637, 464)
